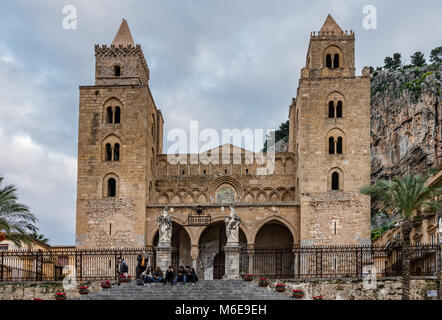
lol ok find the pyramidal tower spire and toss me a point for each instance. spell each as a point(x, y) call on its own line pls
point(123, 37)
point(331, 25)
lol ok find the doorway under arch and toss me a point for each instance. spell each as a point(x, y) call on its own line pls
point(273, 256)
point(211, 259)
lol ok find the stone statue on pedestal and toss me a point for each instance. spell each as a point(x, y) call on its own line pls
point(165, 228)
point(232, 222)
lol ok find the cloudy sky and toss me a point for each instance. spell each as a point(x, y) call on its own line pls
point(227, 64)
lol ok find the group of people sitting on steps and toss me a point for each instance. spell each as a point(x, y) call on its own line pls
point(149, 275)
point(184, 275)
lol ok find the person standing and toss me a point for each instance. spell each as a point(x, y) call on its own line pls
point(122, 268)
point(141, 264)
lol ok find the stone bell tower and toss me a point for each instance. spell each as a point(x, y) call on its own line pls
point(330, 134)
point(120, 134)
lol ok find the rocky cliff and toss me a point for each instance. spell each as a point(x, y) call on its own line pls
point(405, 123)
point(406, 120)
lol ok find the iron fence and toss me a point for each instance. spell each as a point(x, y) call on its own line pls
point(338, 262)
point(298, 262)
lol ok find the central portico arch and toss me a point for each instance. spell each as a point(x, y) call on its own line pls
point(211, 258)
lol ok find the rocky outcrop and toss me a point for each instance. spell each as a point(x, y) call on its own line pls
point(405, 121)
point(405, 126)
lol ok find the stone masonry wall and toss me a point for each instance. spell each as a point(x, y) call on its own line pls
point(385, 289)
point(44, 290)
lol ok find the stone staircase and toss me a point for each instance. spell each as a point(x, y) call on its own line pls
point(202, 290)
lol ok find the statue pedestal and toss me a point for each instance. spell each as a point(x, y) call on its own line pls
point(164, 256)
point(232, 251)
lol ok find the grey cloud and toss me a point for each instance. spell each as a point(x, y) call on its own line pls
point(227, 64)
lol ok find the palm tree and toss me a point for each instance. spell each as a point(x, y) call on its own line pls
point(39, 237)
point(16, 221)
point(407, 195)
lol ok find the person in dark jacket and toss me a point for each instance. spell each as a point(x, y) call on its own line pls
point(141, 265)
point(170, 275)
point(180, 275)
point(191, 275)
point(122, 268)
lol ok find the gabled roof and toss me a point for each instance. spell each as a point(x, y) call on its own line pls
point(123, 37)
point(229, 146)
point(331, 25)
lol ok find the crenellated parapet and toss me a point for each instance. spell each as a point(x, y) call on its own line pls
point(120, 51)
point(332, 35)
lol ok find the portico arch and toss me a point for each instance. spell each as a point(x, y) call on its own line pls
point(181, 244)
point(278, 219)
point(211, 243)
point(221, 219)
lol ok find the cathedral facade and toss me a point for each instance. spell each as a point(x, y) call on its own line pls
point(312, 197)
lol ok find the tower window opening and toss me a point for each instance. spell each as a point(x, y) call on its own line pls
point(117, 152)
point(117, 115)
point(336, 61)
point(339, 110)
point(328, 61)
point(335, 181)
point(109, 115)
point(339, 146)
point(331, 145)
point(111, 188)
point(225, 171)
point(117, 71)
point(205, 171)
point(108, 156)
point(331, 109)
point(247, 171)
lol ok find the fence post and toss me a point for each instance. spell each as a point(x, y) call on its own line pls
point(2, 265)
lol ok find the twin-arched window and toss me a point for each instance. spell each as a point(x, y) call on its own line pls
point(113, 115)
point(335, 146)
point(332, 61)
point(112, 152)
point(335, 111)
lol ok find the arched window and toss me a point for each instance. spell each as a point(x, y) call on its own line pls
point(109, 115)
point(335, 181)
point(117, 152)
point(108, 152)
point(339, 110)
point(339, 146)
point(111, 188)
point(336, 61)
point(117, 115)
point(117, 71)
point(331, 109)
point(331, 145)
point(328, 60)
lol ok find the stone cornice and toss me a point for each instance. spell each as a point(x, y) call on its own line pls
point(218, 205)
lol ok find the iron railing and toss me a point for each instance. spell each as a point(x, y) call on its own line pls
point(338, 262)
point(298, 262)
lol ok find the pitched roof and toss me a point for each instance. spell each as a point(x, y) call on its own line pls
point(331, 25)
point(123, 37)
